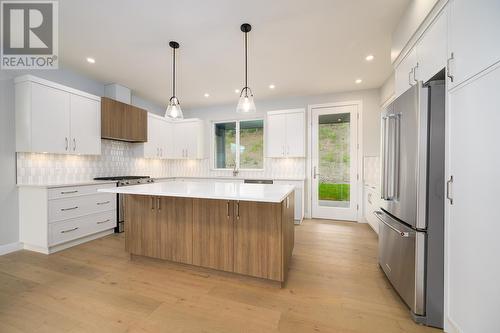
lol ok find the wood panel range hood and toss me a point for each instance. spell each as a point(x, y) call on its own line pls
point(119, 119)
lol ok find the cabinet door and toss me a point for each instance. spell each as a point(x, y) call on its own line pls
point(213, 234)
point(141, 222)
point(192, 139)
point(404, 73)
point(175, 217)
point(474, 31)
point(295, 135)
point(112, 119)
point(50, 119)
point(276, 135)
point(472, 224)
point(152, 146)
point(167, 137)
point(257, 239)
point(432, 49)
point(179, 140)
point(136, 123)
point(85, 125)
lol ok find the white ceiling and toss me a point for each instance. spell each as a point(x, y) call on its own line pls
point(303, 47)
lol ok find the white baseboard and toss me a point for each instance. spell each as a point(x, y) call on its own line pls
point(11, 247)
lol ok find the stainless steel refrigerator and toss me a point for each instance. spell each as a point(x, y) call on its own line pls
point(411, 228)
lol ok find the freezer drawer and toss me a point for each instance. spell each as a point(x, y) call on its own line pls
point(402, 258)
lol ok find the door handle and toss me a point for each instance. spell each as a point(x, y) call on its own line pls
point(103, 203)
point(401, 233)
point(448, 67)
point(238, 210)
point(101, 222)
point(68, 192)
point(409, 77)
point(158, 203)
point(415, 73)
point(315, 174)
point(72, 208)
point(69, 230)
point(152, 203)
point(74, 144)
point(67, 143)
point(448, 190)
point(227, 209)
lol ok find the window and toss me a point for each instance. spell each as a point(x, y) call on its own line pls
point(240, 144)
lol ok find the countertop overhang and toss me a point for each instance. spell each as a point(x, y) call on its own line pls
point(209, 190)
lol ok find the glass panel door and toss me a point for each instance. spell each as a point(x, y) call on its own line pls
point(335, 162)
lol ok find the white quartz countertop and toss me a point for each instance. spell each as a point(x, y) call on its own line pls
point(209, 190)
point(232, 178)
point(57, 185)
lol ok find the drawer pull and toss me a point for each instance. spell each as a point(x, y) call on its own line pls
point(71, 208)
point(103, 203)
point(69, 230)
point(69, 192)
point(101, 222)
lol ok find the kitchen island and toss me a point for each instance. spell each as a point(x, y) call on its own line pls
point(242, 228)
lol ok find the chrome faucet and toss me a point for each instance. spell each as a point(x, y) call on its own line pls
point(235, 171)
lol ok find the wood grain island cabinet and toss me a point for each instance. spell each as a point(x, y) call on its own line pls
point(245, 237)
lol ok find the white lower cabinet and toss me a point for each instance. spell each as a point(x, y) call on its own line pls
point(52, 219)
point(371, 204)
point(472, 271)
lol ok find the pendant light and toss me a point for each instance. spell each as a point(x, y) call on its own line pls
point(174, 107)
point(246, 104)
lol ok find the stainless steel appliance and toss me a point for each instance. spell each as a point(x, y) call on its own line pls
point(125, 181)
point(411, 232)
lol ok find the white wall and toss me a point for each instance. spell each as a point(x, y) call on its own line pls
point(9, 230)
point(410, 21)
point(371, 112)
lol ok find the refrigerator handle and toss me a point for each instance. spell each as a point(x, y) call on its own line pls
point(397, 147)
point(384, 161)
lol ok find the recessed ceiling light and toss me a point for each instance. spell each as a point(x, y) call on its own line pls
point(206, 94)
point(358, 81)
point(91, 60)
point(369, 57)
point(272, 86)
point(236, 91)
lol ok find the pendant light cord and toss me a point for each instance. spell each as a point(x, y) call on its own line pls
point(246, 65)
point(173, 77)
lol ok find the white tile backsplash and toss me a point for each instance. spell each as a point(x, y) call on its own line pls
point(117, 159)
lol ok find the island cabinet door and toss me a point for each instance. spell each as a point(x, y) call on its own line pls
point(213, 234)
point(175, 220)
point(257, 239)
point(141, 227)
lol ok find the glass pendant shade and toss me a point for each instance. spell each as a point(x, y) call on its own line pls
point(174, 110)
point(246, 104)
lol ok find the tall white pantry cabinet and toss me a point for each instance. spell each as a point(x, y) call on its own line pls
point(469, 33)
point(52, 118)
point(472, 272)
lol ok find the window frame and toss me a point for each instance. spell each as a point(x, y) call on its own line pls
point(237, 157)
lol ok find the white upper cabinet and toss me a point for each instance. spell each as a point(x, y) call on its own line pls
point(404, 75)
point(188, 139)
point(432, 48)
point(157, 144)
point(52, 118)
point(85, 126)
point(474, 38)
point(285, 135)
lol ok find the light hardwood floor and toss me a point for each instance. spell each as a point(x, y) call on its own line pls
point(334, 285)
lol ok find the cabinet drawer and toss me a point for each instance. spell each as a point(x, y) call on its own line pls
point(63, 209)
point(74, 191)
point(65, 231)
